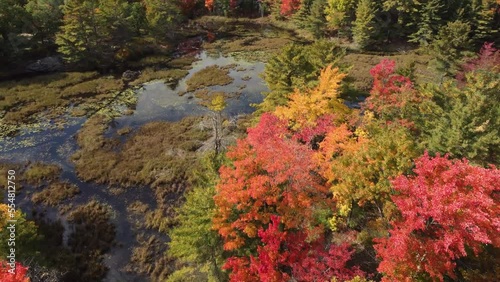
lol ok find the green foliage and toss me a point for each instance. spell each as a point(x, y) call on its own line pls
point(451, 46)
point(339, 13)
point(46, 17)
point(12, 19)
point(297, 66)
point(486, 20)
point(95, 31)
point(429, 21)
point(316, 21)
point(161, 16)
point(26, 240)
point(364, 29)
point(464, 121)
point(193, 241)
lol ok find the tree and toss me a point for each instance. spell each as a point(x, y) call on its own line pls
point(162, 15)
point(486, 20)
point(271, 174)
point(27, 238)
point(288, 7)
point(449, 209)
point(298, 67)
point(359, 164)
point(450, 47)
point(316, 21)
point(461, 119)
point(46, 17)
point(82, 31)
point(308, 261)
point(428, 21)
point(216, 106)
point(12, 20)
point(364, 29)
point(304, 109)
point(20, 274)
point(193, 241)
point(339, 13)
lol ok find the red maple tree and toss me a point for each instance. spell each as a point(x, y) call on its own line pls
point(20, 274)
point(447, 208)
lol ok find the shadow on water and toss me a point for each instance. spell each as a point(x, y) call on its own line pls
point(156, 102)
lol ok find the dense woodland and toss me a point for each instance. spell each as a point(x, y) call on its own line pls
point(403, 186)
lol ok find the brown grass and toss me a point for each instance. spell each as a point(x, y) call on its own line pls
point(38, 173)
point(209, 76)
point(55, 193)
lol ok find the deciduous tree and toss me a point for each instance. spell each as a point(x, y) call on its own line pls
point(447, 208)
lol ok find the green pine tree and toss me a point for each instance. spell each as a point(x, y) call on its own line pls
point(193, 242)
point(450, 47)
point(364, 29)
point(465, 121)
point(428, 21)
point(316, 21)
point(81, 34)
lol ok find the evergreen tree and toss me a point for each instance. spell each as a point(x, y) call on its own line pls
point(428, 21)
point(465, 121)
point(193, 241)
point(82, 30)
point(316, 21)
point(46, 17)
point(364, 28)
point(12, 20)
point(296, 66)
point(450, 47)
point(161, 16)
point(486, 20)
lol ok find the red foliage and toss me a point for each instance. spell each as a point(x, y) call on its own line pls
point(447, 207)
point(308, 261)
point(387, 88)
point(488, 59)
point(209, 4)
point(288, 7)
point(20, 274)
point(271, 174)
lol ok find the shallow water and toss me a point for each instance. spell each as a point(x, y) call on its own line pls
point(156, 102)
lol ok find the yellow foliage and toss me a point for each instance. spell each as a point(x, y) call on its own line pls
point(217, 104)
point(304, 109)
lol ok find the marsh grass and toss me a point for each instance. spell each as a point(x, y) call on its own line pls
point(209, 76)
point(38, 173)
point(55, 194)
point(159, 153)
point(23, 99)
point(170, 76)
point(94, 234)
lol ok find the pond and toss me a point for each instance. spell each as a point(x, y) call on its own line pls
point(156, 101)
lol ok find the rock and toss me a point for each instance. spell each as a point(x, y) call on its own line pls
point(47, 64)
point(130, 75)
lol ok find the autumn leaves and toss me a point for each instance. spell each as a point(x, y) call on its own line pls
point(314, 180)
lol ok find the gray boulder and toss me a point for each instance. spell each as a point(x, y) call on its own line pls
point(47, 64)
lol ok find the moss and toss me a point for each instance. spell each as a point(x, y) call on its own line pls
point(37, 173)
point(209, 76)
point(55, 193)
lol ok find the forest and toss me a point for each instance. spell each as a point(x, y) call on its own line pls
point(249, 140)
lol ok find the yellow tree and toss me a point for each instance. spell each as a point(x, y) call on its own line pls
point(305, 108)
